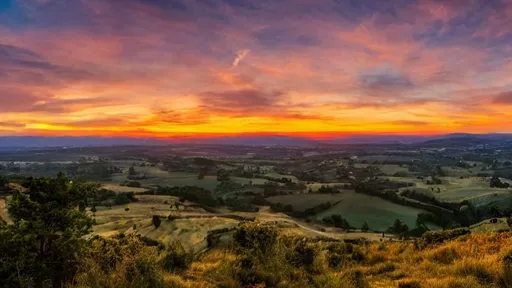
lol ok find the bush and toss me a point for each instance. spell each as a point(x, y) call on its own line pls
point(334, 261)
point(255, 237)
point(303, 254)
point(156, 221)
point(358, 256)
point(175, 258)
point(432, 237)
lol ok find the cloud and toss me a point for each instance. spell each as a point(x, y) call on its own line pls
point(410, 123)
point(240, 55)
point(72, 105)
point(384, 81)
point(360, 63)
point(504, 98)
point(239, 101)
point(181, 117)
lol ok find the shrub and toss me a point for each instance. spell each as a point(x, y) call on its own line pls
point(255, 237)
point(175, 257)
point(358, 256)
point(432, 237)
point(303, 254)
point(156, 221)
point(334, 261)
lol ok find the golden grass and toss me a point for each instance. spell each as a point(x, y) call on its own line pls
point(469, 261)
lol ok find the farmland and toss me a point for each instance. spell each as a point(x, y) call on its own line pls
point(216, 186)
point(356, 208)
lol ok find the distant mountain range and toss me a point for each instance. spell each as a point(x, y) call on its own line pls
point(249, 140)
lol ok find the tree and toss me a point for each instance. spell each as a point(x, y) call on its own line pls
point(222, 175)
point(156, 221)
point(93, 210)
point(131, 171)
point(398, 227)
point(45, 242)
point(365, 227)
point(496, 183)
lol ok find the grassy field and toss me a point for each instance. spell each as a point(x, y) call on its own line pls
point(454, 189)
point(191, 232)
point(356, 208)
point(486, 226)
point(119, 188)
point(254, 181)
point(160, 177)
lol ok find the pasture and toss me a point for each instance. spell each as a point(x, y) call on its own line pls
point(453, 189)
point(356, 208)
point(158, 177)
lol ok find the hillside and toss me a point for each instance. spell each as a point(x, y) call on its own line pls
point(261, 256)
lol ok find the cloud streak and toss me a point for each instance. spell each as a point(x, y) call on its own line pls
point(240, 55)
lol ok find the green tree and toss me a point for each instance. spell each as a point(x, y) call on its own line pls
point(222, 175)
point(398, 227)
point(365, 227)
point(93, 210)
point(156, 221)
point(131, 171)
point(45, 241)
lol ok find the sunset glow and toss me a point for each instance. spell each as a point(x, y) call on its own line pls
point(321, 68)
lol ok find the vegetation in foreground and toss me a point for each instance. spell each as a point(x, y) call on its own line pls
point(47, 245)
point(261, 256)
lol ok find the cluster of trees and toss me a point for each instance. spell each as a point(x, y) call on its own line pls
point(398, 228)
point(337, 221)
point(497, 183)
point(324, 189)
point(288, 209)
point(45, 243)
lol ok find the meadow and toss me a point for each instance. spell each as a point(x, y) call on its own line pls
point(356, 208)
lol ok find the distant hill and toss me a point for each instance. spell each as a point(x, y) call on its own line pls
point(39, 142)
point(378, 139)
point(275, 140)
point(252, 140)
point(467, 139)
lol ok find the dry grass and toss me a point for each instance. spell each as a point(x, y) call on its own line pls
point(471, 261)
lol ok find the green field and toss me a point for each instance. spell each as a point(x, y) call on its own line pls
point(356, 208)
point(119, 188)
point(159, 177)
point(453, 189)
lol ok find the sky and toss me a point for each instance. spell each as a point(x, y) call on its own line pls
point(316, 68)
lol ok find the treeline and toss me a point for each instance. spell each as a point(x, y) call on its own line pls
point(288, 209)
point(190, 193)
point(412, 194)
